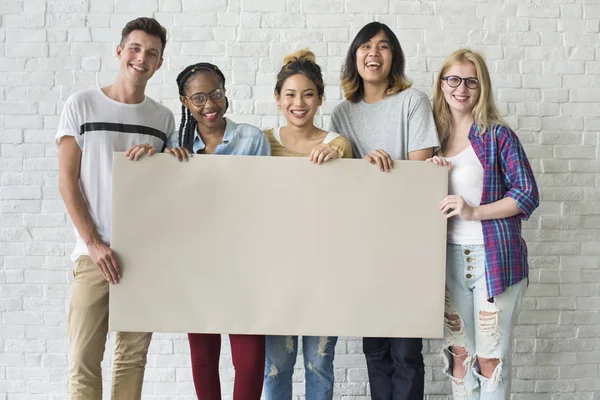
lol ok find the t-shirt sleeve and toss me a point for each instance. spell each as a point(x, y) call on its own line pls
point(334, 126)
point(173, 139)
point(68, 124)
point(342, 146)
point(422, 133)
point(171, 133)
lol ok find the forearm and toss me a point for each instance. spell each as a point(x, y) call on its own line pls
point(78, 211)
point(504, 208)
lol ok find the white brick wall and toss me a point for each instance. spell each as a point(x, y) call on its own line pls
point(544, 57)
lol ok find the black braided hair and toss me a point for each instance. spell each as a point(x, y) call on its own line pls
point(188, 123)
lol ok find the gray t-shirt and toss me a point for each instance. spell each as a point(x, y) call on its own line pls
point(398, 124)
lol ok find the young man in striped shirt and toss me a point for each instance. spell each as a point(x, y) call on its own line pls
point(95, 123)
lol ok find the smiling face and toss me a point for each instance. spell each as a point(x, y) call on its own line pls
point(299, 100)
point(210, 115)
point(140, 57)
point(461, 99)
point(374, 60)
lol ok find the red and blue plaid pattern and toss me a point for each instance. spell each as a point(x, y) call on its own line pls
point(506, 173)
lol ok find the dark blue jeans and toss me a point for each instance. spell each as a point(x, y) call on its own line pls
point(395, 367)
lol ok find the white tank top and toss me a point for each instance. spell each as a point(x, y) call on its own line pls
point(466, 180)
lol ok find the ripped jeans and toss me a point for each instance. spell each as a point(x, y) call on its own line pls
point(477, 329)
point(318, 353)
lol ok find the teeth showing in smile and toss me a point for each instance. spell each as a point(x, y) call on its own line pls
point(138, 68)
point(461, 98)
point(210, 115)
point(373, 64)
point(299, 113)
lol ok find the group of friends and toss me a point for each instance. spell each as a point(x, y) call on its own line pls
point(492, 189)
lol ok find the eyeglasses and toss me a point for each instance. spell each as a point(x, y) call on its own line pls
point(199, 99)
point(454, 81)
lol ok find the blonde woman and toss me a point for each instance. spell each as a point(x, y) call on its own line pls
point(299, 93)
point(492, 189)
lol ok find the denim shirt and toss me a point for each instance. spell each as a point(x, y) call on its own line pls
point(239, 139)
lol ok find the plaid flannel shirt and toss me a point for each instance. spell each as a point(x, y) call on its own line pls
point(507, 173)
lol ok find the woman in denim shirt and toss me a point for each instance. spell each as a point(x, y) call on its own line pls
point(205, 130)
point(492, 188)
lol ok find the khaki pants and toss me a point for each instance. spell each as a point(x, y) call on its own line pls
point(88, 327)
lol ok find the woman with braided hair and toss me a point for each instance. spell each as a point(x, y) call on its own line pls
point(204, 130)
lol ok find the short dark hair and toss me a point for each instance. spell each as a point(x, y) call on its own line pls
point(147, 25)
point(352, 83)
point(301, 62)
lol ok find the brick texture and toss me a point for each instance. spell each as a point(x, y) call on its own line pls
point(544, 57)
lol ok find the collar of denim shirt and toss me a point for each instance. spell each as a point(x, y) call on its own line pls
point(230, 128)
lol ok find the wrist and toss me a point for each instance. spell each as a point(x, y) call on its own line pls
point(92, 241)
point(476, 215)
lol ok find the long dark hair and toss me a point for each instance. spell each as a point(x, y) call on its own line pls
point(352, 83)
point(188, 123)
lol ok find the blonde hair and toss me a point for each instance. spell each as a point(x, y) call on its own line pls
point(301, 62)
point(485, 112)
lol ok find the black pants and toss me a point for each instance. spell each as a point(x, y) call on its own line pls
point(395, 367)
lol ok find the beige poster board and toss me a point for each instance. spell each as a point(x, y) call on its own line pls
point(277, 245)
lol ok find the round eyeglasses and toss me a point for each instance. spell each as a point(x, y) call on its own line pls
point(454, 81)
point(199, 99)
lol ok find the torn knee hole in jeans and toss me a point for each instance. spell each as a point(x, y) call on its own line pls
point(273, 372)
point(495, 379)
point(459, 389)
point(453, 322)
point(289, 344)
point(454, 325)
point(457, 351)
point(488, 323)
point(322, 347)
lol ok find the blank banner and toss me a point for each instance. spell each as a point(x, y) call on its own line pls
point(277, 245)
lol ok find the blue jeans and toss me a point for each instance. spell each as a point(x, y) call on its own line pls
point(318, 352)
point(476, 328)
point(395, 367)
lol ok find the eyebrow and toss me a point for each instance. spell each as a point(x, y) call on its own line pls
point(139, 45)
point(305, 90)
point(379, 42)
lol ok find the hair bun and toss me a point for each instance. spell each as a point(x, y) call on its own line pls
point(301, 55)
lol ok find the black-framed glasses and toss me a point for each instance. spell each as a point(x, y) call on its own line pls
point(199, 99)
point(454, 81)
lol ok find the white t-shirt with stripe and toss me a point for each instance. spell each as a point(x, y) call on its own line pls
point(102, 126)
